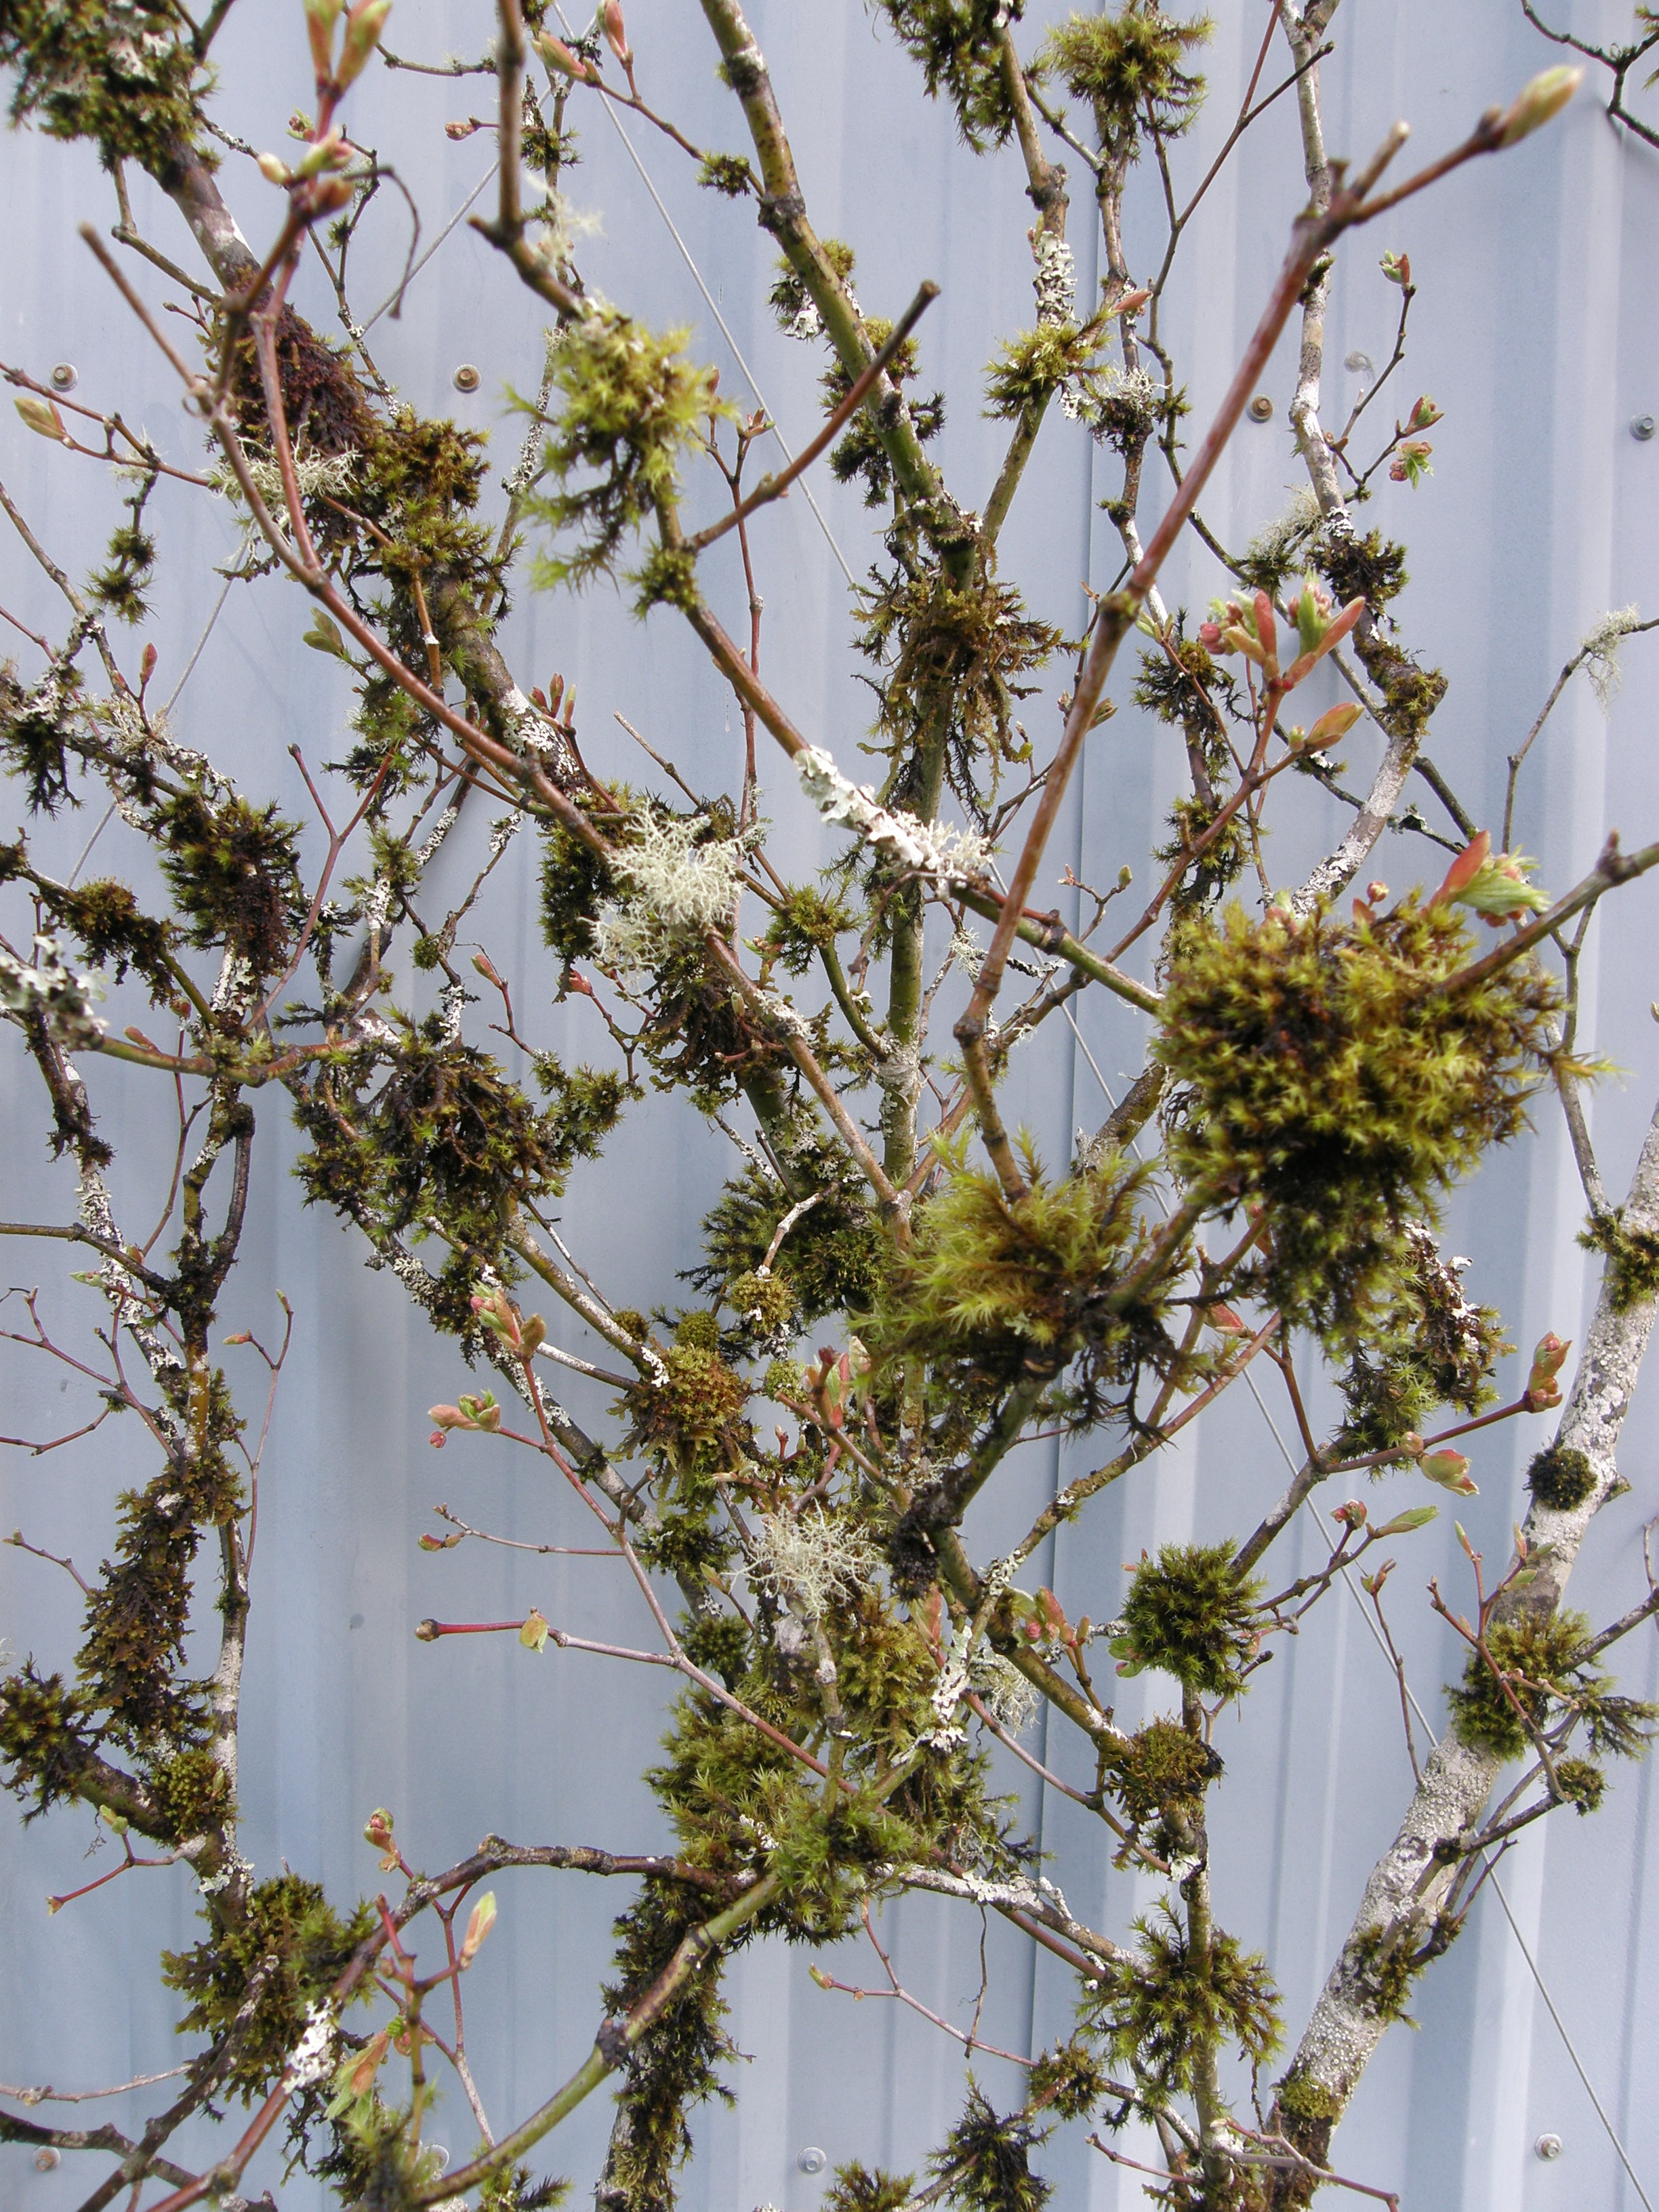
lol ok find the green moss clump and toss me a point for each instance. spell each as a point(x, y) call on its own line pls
point(1539, 1657)
point(1386, 1970)
point(234, 869)
point(290, 1930)
point(987, 2160)
point(1561, 1477)
point(763, 1303)
point(674, 2065)
point(970, 649)
point(991, 1291)
point(630, 404)
point(1161, 1770)
point(858, 2189)
point(956, 44)
point(1371, 567)
point(1189, 1612)
point(123, 73)
point(1031, 366)
point(1429, 1347)
point(1632, 1256)
point(1583, 1784)
point(1155, 2012)
point(1328, 1077)
point(193, 1790)
point(694, 1418)
point(833, 1254)
point(1130, 66)
point(1307, 2102)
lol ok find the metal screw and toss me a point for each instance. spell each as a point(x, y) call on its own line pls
point(1361, 364)
point(812, 2160)
point(46, 2160)
point(1641, 428)
point(64, 376)
point(466, 378)
point(1261, 407)
point(1548, 2146)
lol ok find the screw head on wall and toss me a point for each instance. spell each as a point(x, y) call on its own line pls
point(1261, 407)
point(1641, 428)
point(812, 2160)
point(46, 2160)
point(1548, 2146)
point(64, 376)
point(466, 378)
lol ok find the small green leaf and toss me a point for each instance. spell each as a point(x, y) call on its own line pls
point(323, 636)
point(1418, 1516)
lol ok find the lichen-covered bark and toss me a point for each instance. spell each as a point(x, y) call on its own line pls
point(1409, 1882)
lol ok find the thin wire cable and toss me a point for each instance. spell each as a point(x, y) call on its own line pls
point(104, 819)
point(713, 309)
point(391, 298)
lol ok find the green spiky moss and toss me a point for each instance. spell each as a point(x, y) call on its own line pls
point(832, 1255)
point(630, 405)
point(137, 1613)
point(445, 1136)
point(1032, 366)
point(1371, 567)
point(858, 2189)
point(1067, 2081)
point(122, 74)
point(289, 1929)
point(805, 926)
point(970, 647)
point(990, 1290)
point(762, 1304)
point(1209, 872)
point(1561, 1477)
point(955, 42)
point(1189, 1612)
point(234, 869)
point(674, 2065)
point(193, 1792)
point(46, 1738)
point(1632, 1256)
point(1431, 1347)
point(1326, 1075)
point(861, 451)
point(1130, 66)
point(576, 882)
point(1162, 1770)
point(111, 927)
point(986, 2159)
point(1583, 1784)
point(694, 1418)
point(1386, 1970)
point(1539, 1657)
point(1171, 2001)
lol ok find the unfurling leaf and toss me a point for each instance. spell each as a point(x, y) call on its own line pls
point(1416, 1516)
point(481, 1921)
point(1451, 1471)
point(323, 636)
point(42, 417)
point(1543, 98)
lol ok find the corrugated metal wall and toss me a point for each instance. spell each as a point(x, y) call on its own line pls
point(1536, 328)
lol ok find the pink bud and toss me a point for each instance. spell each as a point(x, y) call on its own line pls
point(615, 32)
point(1464, 869)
